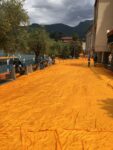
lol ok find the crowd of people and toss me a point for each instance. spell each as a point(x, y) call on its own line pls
point(95, 59)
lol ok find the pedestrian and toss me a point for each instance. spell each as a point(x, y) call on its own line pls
point(89, 60)
point(95, 59)
point(53, 59)
point(110, 59)
point(50, 61)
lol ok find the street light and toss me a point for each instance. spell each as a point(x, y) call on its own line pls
point(108, 31)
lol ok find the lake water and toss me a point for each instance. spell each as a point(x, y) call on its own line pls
point(20, 56)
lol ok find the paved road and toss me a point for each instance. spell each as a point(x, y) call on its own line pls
point(64, 107)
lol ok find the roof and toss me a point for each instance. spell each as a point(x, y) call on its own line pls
point(66, 38)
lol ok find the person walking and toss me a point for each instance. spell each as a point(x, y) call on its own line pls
point(110, 58)
point(89, 60)
point(95, 59)
point(53, 59)
point(50, 61)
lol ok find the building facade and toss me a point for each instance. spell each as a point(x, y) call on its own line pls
point(103, 22)
point(84, 46)
point(90, 41)
point(110, 45)
point(67, 39)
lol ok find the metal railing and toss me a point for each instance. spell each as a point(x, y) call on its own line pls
point(28, 62)
point(5, 68)
point(23, 67)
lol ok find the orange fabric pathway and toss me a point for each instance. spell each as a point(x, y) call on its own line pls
point(67, 106)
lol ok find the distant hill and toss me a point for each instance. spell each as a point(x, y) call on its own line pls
point(83, 27)
point(61, 28)
point(66, 30)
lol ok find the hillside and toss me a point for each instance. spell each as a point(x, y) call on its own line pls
point(82, 28)
point(59, 28)
point(66, 30)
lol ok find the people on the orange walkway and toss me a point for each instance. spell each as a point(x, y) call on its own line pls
point(89, 58)
point(95, 59)
point(110, 59)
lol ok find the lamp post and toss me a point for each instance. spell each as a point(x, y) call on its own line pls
point(108, 31)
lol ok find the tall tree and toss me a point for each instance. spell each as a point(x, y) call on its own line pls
point(56, 48)
point(76, 46)
point(75, 37)
point(38, 41)
point(12, 16)
point(56, 35)
point(66, 51)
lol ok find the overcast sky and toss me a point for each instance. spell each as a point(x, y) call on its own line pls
point(69, 12)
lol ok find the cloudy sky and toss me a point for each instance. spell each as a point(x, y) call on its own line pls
point(69, 12)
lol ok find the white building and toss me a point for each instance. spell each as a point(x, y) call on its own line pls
point(84, 46)
point(103, 22)
point(90, 41)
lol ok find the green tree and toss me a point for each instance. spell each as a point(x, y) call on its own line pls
point(66, 51)
point(56, 35)
point(55, 48)
point(39, 41)
point(52, 50)
point(76, 46)
point(60, 49)
point(12, 16)
point(75, 37)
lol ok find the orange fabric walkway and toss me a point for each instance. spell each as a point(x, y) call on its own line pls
point(64, 107)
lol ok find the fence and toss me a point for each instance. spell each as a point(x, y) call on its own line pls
point(8, 71)
point(28, 62)
point(22, 66)
point(3, 69)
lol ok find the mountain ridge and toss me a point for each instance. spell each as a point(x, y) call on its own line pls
point(66, 30)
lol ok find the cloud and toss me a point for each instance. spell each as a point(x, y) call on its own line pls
point(69, 12)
